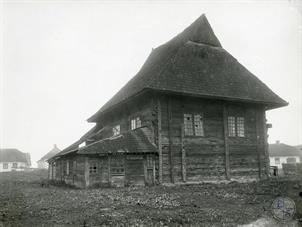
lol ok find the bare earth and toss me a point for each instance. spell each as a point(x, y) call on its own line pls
point(25, 201)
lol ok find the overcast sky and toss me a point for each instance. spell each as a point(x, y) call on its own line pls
point(61, 61)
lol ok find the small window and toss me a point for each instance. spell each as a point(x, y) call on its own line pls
point(117, 166)
point(291, 160)
point(15, 165)
point(93, 168)
point(116, 130)
point(135, 123)
point(5, 165)
point(231, 126)
point(277, 161)
point(193, 125)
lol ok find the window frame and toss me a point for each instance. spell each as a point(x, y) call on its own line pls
point(192, 124)
point(114, 167)
point(116, 132)
point(134, 120)
point(93, 168)
point(15, 165)
point(291, 158)
point(239, 127)
point(277, 162)
point(5, 165)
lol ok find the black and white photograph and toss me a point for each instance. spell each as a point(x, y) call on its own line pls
point(150, 113)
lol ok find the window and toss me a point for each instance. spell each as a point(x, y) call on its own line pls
point(240, 126)
point(236, 126)
point(291, 160)
point(15, 165)
point(116, 130)
point(277, 161)
point(231, 126)
point(93, 168)
point(136, 123)
point(117, 166)
point(193, 125)
point(5, 165)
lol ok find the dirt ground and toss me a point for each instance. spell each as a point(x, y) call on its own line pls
point(24, 201)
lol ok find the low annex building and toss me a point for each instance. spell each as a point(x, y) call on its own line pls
point(191, 113)
point(14, 160)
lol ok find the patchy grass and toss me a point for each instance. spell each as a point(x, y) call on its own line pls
point(25, 201)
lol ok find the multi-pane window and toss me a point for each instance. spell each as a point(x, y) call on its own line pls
point(136, 123)
point(5, 165)
point(193, 125)
point(117, 166)
point(116, 130)
point(93, 168)
point(236, 126)
point(15, 165)
point(291, 160)
point(277, 161)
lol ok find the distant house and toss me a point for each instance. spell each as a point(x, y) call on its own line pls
point(42, 163)
point(14, 160)
point(192, 113)
point(280, 153)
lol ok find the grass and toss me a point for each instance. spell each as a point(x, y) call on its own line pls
point(27, 201)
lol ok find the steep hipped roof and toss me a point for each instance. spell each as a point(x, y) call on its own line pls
point(134, 141)
point(55, 150)
point(281, 149)
point(194, 63)
point(12, 155)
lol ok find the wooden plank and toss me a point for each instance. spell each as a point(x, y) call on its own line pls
point(86, 174)
point(226, 146)
point(183, 156)
point(145, 170)
point(170, 139)
point(265, 145)
point(160, 160)
point(154, 174)
point(258, 123)
point(109, 169)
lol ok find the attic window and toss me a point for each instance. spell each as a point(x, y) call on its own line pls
point(116, 130)
point(135, 123)
point(193, 125)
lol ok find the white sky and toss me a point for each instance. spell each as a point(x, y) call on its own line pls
point(61, 61)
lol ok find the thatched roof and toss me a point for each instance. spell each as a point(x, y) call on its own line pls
point(281, 149)
point(134, 141)
point(55, 150)
point(194, 63)
point(13, 155)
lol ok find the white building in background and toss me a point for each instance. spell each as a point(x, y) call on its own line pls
point(280, 153)
point(42, 163)
point(14, 160)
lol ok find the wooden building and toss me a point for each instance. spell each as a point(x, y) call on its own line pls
point(191, 113)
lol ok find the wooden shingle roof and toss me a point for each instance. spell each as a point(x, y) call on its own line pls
point(134, 141)
point(194, 63)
